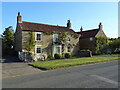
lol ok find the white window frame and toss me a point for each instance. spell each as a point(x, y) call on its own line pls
point(69, 49)
point(54, 40)
point(36, 36)
point(36, 49)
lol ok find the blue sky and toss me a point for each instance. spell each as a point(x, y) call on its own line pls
point(86, 14)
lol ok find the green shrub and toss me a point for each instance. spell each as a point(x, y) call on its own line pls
point(62, 56)
point(67, 55)
point(50, 57)
point(57, 56)
point(71, 55)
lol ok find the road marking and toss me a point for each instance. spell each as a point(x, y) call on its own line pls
point(105, 79)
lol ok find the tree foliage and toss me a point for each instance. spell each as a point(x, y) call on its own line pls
point(115, 44)
point(8, 38)
point(100, 43)
point(112, 47)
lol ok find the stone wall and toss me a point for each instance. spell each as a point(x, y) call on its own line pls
point(46, 43)
point(18, 39)
point(85, 53)
point(75, 44)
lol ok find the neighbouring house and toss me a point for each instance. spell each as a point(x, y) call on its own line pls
point(47, 38)
point(88, 38)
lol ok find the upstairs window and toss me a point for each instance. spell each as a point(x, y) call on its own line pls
point(68, 38)
point(38, 36)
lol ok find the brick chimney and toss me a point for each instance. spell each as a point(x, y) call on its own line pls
point(19, 18)
point(81, 29)
point(100, 26)
point(68, 24)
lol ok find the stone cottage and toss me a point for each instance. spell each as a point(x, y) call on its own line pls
point(46, 38)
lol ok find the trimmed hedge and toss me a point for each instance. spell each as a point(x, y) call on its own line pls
point(50, 57)
point(67, 55)
point(57, 56)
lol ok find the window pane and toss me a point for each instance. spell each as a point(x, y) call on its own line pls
point(38, 36)
point(68, 38)
point(69, 50)
point(55, 37)
point(38, 49)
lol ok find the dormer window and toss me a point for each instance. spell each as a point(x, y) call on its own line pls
point(68, 38)
point(55, 37)
point(38, 36)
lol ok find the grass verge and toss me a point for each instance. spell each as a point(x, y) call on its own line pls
point(69, 62)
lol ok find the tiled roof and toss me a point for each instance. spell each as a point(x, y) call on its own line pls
point(88, 33)
point(30, 26)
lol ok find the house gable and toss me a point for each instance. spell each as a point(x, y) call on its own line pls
point(100, 34)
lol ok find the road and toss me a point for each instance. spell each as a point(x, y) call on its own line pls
point(103, 75)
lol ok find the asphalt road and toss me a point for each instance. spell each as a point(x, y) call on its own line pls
point(103, 75)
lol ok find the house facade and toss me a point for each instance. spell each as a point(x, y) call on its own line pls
point(52, 39)
point(46, 38)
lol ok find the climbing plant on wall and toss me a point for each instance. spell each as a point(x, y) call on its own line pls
point(100, 42)
point(62, 37)
point(28, 46)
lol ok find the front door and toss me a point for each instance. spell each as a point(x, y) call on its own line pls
point(57, 49)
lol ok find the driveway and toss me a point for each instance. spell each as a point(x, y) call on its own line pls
point(11, 67)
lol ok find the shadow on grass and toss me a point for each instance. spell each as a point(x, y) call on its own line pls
point(44, 69)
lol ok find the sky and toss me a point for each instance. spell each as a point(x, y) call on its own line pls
point(85, 14)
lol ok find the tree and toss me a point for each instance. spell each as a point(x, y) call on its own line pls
point(112, 47)
point(8, 39)
point(100, 43)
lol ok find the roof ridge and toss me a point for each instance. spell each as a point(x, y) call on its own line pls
point(44, 24)
point(90, 30)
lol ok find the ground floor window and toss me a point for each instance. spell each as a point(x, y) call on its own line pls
point(38, 49)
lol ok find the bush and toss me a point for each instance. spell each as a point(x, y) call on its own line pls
point(50, 57)
point(57, 56)
point(62, 56)
point(67, 55)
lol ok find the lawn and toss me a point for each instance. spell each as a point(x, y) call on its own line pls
point(70, 62)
